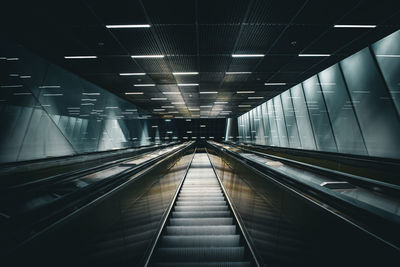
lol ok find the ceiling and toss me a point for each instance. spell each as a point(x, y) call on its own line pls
point(197, 36)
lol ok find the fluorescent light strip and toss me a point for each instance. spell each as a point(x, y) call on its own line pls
point(167, 106)
point(185, 73)
point(171, 93)
point(90, 93)
point(144, 85)
point(205, 106)
point(353, 26)
point(244, 106)
point(247, 55)
point(245, 92)
point(53, 94)
point(238, 72)
point(159, 109)
point(22, 93)
point(314, 55)
point(128, 26)
point(132, 74)
point(274, 84)
point(148, 56)
point(188, 84)
point(134, 93)
point(158, 98)
point(25, 76)
point(193, 109)
point(208, 92)
point(11, 86)
point(49, 86)
point(79, 57)
point(178, 103)
point(220, 102)
point(387, 55)
point(255, 97)
point(202, 126)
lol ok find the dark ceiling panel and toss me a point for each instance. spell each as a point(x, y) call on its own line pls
point(197, 36)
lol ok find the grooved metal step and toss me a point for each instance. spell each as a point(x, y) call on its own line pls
point(201, 230)
point(201, 254)
point(200, 241)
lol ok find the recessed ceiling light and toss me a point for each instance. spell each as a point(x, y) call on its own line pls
point(171, 93)
point(255, 97)
point(194, 109)
point(25, 76)
point(238, 72)
point(79, 57)
point(53, 94)
point(173, 112)
point(202, 126)
point(353, 26)
point(205, 106)
point(247, 55)
point(49, 86)
point(314, 55)
point(128, 26)
point(167, 106)
point(132, 74)
point(272, 84)
point(220, 102)
point(245, 92)
point(158, 98)
point(11, 86)
point(134, 93)
point(244, 106)
point(178, 103)
point(159, 109)
point(185, 73)
point(144, 85)
point(208, 92)
point(188, 84)
point(148, 56)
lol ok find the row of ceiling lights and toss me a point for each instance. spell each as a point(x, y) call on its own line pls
point(196, 73)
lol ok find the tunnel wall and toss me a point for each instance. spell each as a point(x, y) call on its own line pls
point(351, 107)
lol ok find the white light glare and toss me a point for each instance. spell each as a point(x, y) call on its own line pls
point(354, 26)
point(79, 57)
point(148, 56)
point(128, 26)
point(247, 55)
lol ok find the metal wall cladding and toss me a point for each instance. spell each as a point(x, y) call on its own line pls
point(351, 107)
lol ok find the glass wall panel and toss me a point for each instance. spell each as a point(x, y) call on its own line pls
point(318, 115)
point(272, 121)
point(302, 118)
point(374, 108)
point(387, 52)
point(260, 129)
point(290, 119)
point(267, 128)
point(280, 121)
point(344, 123)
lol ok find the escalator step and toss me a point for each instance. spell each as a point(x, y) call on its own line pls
point(200, 221)
point(202, 230)
point(194, 203)
point(200, 241)
point(201, 254)
point(201, 214)
point(201, 264)
point(201, 208)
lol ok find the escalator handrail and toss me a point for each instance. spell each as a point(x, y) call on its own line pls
point(82, 199)
point(319, 198)
point(250, 245)
point(166, 215)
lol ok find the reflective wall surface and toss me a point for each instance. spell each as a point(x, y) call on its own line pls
point(351, 107)
point(47, 111)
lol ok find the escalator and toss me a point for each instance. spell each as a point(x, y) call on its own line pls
point(201, 229)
